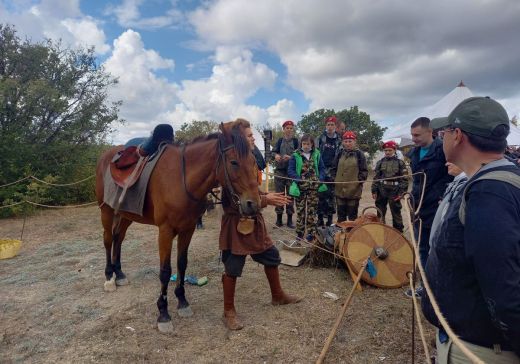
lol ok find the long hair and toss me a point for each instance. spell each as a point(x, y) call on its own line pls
point(239, 139)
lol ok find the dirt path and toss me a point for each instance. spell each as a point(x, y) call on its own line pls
point(53, 307)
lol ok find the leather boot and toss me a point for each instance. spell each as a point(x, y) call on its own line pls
point(329, 220)
point(290, 224)
point(279, 222)
point(230, 315)
point(279, 297)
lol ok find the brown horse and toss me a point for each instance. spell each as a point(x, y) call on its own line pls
point(175, 198)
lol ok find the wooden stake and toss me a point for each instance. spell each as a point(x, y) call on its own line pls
point(267, 176)
point(340, 317)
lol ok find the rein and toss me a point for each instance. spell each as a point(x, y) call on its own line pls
point(222, 156)
point(222, 149)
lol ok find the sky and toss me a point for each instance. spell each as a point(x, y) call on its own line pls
point(269, 61)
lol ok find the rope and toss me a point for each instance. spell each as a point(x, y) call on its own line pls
point(61, 207)
point(15, 182)
point(347, 182)
point(48, 183)
point(63, 184)
point(433, 302)
point(11, 205)
point(419, 322)
point(49, 206)
point(315, 245)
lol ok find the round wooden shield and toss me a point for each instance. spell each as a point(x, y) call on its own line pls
point(391, 254)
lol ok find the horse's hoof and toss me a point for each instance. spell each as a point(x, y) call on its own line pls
point(165, 327)
point(110, 286)
point(122, 282)
point(185, 312)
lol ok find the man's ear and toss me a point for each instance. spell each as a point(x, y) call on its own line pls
point(458, 136)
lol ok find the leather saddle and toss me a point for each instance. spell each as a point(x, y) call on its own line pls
point(127, 165)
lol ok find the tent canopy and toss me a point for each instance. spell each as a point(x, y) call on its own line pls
point(514, 135)
point(441, 108)
point(401, 132)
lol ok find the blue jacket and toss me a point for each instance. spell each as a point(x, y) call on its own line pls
point(474, 270)
point(437, 178)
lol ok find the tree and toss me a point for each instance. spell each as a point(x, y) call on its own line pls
point(188, 131)
point(53, 108)
point(314, 123)
point(369, 133)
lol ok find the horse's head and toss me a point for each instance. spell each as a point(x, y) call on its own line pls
point(238, 172)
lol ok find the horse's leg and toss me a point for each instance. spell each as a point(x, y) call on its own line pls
point(107, 219)
point(166, 235)
point(183, 242)
point(118, 237)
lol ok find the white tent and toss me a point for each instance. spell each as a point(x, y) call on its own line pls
point(440, 109)
point(514, 135)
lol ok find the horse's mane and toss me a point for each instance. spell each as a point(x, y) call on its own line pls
point(237, 137)
point(203, 138)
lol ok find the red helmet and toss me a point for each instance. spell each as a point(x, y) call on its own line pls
point(390, 144)
point(288, 122)
point(349, 135)
point(331, 119)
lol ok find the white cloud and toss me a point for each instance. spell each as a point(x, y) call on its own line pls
point(145, 96)
point(56, 19)
point(391, 58)
point(128, 15)
point(235, 78)
point(86, 32)
point(149, 100)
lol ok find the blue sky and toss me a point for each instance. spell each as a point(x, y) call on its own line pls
point(270, 61)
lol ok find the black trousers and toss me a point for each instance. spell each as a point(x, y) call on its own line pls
point(234, 264)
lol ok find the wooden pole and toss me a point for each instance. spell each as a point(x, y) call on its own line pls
point(340, 317)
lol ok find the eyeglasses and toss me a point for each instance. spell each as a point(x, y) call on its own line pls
point(444, 131)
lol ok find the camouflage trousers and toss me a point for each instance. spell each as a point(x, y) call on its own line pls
point(327, 203)
point(283, 185)
point(386, 197)
point(309, 196)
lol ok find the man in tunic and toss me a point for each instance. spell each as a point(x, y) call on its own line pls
point(236, 246)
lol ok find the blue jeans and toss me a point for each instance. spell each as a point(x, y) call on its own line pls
point(424, 243)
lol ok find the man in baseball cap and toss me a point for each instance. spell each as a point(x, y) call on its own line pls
point(474, 264)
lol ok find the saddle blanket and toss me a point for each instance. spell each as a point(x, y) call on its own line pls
point(133, 201)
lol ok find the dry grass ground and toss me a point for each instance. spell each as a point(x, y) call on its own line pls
point(53, 307)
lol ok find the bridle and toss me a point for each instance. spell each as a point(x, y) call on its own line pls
point(222, 157)
point(222, 149)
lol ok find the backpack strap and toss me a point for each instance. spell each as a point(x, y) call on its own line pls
point(504, 176)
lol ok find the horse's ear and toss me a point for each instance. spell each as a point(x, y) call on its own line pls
point(226, 129)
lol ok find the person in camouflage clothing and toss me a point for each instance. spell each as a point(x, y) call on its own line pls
point(389, 192)
point(349, 166)
point(282, 152)
point(306, 168)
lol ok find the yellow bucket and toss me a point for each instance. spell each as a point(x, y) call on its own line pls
point(9, 248)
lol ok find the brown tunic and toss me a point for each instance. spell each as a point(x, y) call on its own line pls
point(230, 239)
